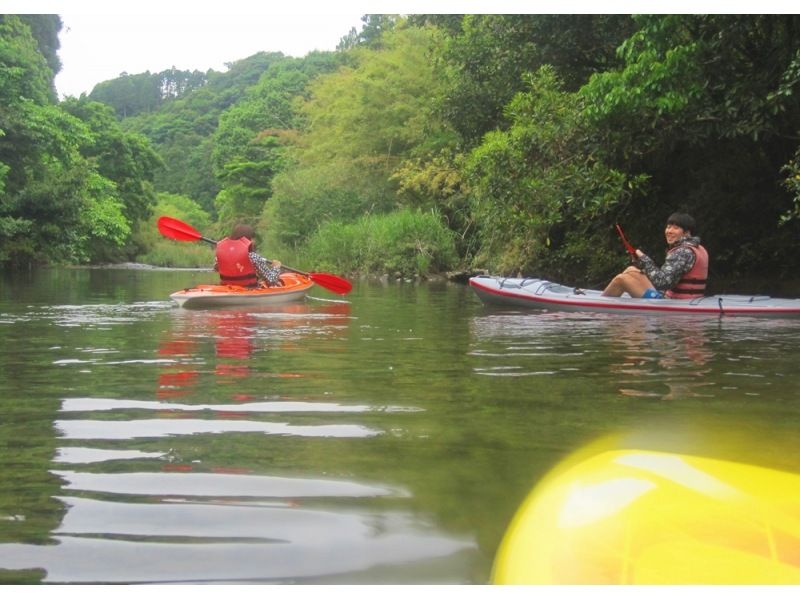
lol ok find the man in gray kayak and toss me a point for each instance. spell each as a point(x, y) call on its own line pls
point(683, 275)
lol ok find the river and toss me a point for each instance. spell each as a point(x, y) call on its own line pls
point(385, 437)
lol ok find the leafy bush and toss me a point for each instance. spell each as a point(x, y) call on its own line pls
point(158, 250)
point(538, 181)
point(405, 243)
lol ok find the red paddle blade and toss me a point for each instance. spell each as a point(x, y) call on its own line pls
point(180, 231)
point(335, 284)
point(175, 229)
point(628, 247)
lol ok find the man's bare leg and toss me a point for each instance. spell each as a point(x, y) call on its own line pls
point(631, 281)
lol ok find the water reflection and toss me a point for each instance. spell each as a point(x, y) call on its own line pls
point(237, 334)
point(220, 484)
point(236, 542)
point(645, 356)
point(198, 481)
point(159, 428)
point(100, 316)
point(666, 352)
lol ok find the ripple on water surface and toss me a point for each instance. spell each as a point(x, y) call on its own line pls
point(192, 522)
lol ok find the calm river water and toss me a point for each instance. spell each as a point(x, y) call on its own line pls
point(386, 439)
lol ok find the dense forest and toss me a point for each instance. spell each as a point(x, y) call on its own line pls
point(426, 143)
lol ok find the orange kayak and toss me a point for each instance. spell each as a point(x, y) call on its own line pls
point(294, 288)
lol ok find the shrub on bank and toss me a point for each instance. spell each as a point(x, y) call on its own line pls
point(158, 250)
point(405, 243)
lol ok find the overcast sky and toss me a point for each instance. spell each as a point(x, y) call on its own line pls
point(98, 47)
point(100, 39)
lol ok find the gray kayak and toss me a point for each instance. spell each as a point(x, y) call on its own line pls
point(544, 294)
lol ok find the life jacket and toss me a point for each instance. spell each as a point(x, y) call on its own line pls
point(693, 282)
point(233, 262)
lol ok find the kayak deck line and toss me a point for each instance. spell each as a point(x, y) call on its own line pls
point(545, 294)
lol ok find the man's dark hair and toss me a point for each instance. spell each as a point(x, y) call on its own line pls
point(685, 221)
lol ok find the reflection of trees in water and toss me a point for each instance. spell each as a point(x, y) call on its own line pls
point(28, 509)
point(180, 488)
point(650, 357)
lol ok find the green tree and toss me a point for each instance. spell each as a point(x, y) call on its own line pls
point(374, 26)
point(71, 184)
point(538, 196)
point(360, 124)
point(45, 29)
point(181, 130)
point(488, 57)
point(249, 144)
point(130, 95)
point(41, 170)
point(125, 158)
point(708, 106)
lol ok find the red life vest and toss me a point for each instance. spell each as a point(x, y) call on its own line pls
point(693, 282)
point(233, 262)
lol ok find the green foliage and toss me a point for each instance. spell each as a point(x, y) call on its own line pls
point(792, 184)
point(162, 251)
point(490, 54)
point(403, 243)
point(437, 182)
point(72, 184)
point(249, 144)
point(129, 95)
point(304, 198)
point(373, 113)
point(44, 29)
point(700, 77)
point(3, 172)
point(24, 71)
point(707, 105)
point(536, 181)
point(124, 158)
point(654, 89)
point(527, 135)
point(371, 32)
point(43, 171)
point(104, 229)
point(182, 128)
point(361, 123)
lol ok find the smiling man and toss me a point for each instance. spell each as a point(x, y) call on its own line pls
point(683, 275)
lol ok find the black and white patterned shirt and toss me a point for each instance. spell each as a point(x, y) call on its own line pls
point(677, 263)
point(264, 269)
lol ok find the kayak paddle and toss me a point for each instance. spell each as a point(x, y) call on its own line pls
point(628, 247)
point(180, 231)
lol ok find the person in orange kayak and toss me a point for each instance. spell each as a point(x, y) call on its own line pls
point(683, 275)
point(237, 262)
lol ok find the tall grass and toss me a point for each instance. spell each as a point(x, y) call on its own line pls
point(158, 250)
point(405, 243)
point(174, 254)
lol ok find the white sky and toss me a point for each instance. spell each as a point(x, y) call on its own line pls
point(98, 47)
point(101, 39)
